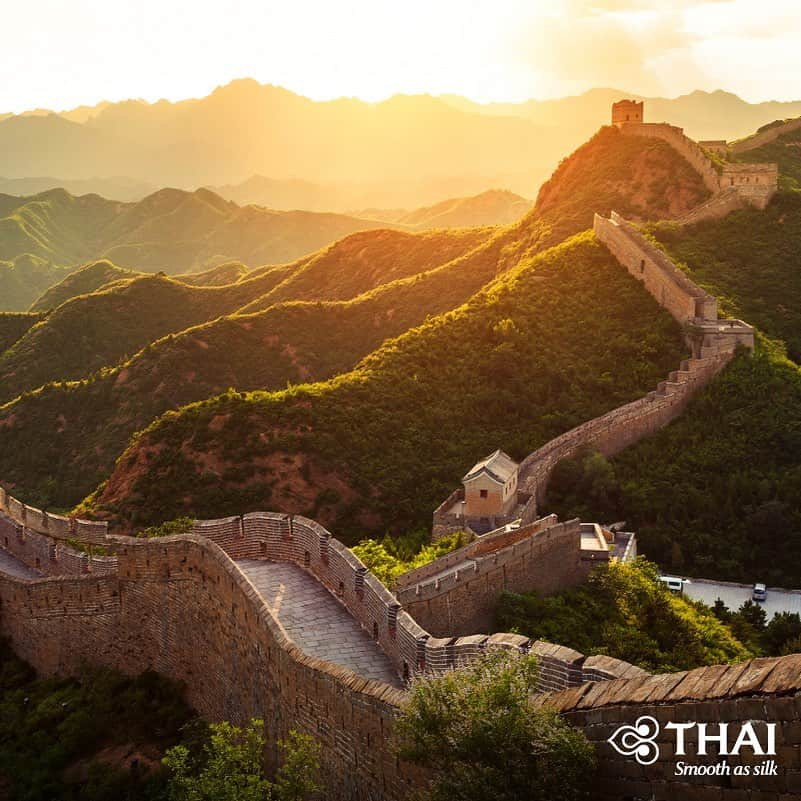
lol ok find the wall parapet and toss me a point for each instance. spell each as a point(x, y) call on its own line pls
point(49, 555)
point(384, 616)
point(765, 137)
point(757, 691)
point(57, 527)
point(621, 427)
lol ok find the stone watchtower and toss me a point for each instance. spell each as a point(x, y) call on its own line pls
point(627, 111)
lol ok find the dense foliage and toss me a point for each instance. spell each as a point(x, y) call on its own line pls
point(91, 421)
point(378, 448)
point(778, 637)
point(750, 260)
point(475, 729)
point(94, 739)
point(625, 611)
point(231, 767)
point(390, 558)
point(716, 494)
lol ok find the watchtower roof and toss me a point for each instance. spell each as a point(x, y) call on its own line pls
point(498, 465)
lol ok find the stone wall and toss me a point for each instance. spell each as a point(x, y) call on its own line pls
point(685, 146)
point(92, 532)
point(628, 424)
point(49, 555)
point(462, 599)
point(760, 691)
point(766, 137)
point(624, 426)
point(755, 183)
point(181, 607)
point(715, 208)
point(671, 287)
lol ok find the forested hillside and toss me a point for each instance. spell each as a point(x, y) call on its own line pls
point(377, 448)
point(44, 237)
point(718, 493)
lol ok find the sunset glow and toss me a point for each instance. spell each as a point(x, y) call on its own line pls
point(65, 54)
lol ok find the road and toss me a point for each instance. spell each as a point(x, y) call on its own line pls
point(734, 595)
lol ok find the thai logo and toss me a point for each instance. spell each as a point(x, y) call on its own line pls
point(637, 740)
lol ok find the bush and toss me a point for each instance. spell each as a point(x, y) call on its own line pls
point(475, 729)
point(231, 767)
point(625, 611)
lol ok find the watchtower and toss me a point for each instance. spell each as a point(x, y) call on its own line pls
point(627, 111)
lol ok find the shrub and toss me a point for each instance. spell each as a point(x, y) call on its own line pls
point(476, 730)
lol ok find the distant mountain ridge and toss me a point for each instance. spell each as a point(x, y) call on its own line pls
point(43, 238)
point(46, 236)
point(407, 151)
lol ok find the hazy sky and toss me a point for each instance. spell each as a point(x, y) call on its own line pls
point(63, 53)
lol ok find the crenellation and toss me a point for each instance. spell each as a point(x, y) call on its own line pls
point(733, 185)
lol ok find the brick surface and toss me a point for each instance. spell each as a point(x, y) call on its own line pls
point(13, 567)
point(315, 621)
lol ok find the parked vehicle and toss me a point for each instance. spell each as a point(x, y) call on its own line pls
point(674, 584)
point(760, 592)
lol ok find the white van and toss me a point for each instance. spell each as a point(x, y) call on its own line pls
point(674, 584)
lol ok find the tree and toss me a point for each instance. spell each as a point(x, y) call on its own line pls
point(721, 611)
point(781, 634)
point(753, 614)
point(231, 767)
point(475, 728)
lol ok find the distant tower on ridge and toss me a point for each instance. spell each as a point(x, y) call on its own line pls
point(627, 111)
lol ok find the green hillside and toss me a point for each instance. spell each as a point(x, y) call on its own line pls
point(86, 279)
point(14, 325)
point(786, 151)
point(45, 237)
point(717, 494)
point(377, 448)
point(89, 422)
point(24, 278)
point(97, 274)
point(364, 261)
point(752, 261)
point(98, 329)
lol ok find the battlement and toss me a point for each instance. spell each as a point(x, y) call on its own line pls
point(754, 183)
point(58, 527)
point(754, 691)
point(765, 137)
point(182, 606)
point(627, 111)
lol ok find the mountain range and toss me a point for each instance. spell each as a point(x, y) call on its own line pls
point(264, 144)
point(43, 238)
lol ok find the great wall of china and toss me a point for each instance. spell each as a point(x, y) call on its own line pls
point(269, 615)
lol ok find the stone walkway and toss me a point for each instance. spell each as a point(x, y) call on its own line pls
point(316, 621)
point(13, 567)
